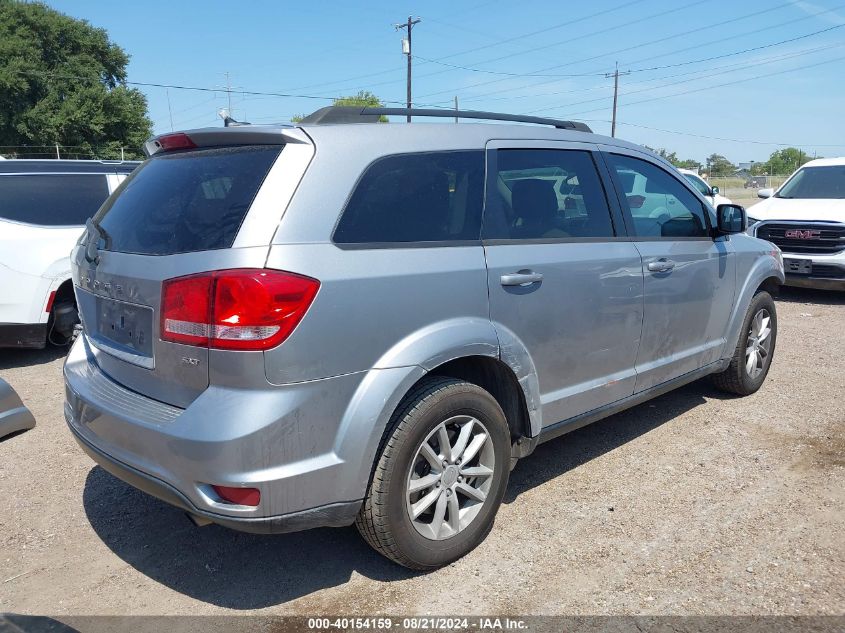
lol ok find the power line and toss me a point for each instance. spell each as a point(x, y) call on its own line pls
point(478, 48)
point(196, 88)
point(710, 73)
point(622, 50)
point(729, 83)
point(720, 138)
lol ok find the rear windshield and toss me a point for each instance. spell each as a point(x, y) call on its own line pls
point(184, 202)
point(52, 199)
point(816, 182)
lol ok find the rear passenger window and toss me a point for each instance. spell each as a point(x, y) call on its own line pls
point(659, 204)
point(52, 199)
point(186, 201)
point(546, 194)
point(426, 197)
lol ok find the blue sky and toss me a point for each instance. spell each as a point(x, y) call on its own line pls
point(701, 85)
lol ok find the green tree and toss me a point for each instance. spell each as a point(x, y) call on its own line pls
point(785, 161)
point(719, 165)
point(688, 163)
point(672, 157)
point(61, 82)
point(364, 98)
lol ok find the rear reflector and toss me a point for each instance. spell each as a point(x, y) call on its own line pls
point(170, 142)
point(241, 309)
point(239, 496)
point(50, 301)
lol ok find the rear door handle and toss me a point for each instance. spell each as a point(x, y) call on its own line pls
point(521, 278)
point(662, 265)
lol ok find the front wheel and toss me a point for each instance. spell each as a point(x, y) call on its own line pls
point(755, 349)
point(441, 475)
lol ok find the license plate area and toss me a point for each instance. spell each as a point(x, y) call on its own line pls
point(798, 266)
point(118, 325)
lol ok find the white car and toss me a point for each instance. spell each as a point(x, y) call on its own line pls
point(805, 218)
point(711, 193)
point(43, 208)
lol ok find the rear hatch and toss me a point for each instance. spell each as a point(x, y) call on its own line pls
point(183, 211)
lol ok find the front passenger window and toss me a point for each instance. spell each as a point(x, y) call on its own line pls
point(659, 204)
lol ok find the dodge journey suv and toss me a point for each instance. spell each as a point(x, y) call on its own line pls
point(350, 322)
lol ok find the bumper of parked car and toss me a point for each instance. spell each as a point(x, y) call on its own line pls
point(14, 417)
point(825, 272)
point(31, 335)
point(268, 441)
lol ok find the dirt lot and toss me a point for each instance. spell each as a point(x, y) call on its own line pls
point(694, 503)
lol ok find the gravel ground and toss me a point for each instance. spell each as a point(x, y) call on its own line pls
point(693, 503)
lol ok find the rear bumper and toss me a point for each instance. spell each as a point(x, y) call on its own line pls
point(333, 515)
point(30, 335)
point(279, 440)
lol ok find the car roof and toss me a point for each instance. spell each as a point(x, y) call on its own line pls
point(398, 137)
point(826, 162)
point(38, 166)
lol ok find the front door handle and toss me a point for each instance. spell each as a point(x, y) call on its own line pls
point(662, 265)
point(521, 278)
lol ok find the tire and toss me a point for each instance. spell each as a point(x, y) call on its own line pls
point(737, 378)
point(385, 520)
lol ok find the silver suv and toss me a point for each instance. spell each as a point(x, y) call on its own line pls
point(350, 322)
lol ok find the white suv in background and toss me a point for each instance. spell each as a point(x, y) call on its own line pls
point(44, 205)
point(805, 218)
point(711, 193)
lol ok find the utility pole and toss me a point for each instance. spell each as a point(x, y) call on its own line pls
point(57, 152)
point(409, 25)
point(615, 75)
point(456, 108)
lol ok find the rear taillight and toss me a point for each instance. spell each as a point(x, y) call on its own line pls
point(242, 309)
point(171, 142)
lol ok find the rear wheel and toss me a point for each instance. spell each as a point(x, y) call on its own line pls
point(754, 351)
point(441, 475)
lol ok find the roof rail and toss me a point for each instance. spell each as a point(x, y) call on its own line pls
point(355, 114)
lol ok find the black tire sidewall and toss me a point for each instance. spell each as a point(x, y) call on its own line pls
point(458, 399)
point(760, 301)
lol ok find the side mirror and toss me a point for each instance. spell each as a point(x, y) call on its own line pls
point(765, 193)
point(731, 218)
point(715, 190)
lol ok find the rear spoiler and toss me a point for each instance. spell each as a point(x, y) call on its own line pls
point(225, 136)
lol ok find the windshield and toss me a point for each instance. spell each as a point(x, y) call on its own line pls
point(699, 184)
point(815, 182)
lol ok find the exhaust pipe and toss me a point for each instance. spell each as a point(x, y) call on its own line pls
point(198, 521)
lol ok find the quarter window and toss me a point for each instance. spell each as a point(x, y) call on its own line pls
point(659, 204)
point(52, 199)
point(425, 197)
point(546, 194)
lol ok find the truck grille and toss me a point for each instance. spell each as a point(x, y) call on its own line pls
point(805, 238)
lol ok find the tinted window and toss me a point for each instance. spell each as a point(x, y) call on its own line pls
point(659, 204)
point(546, 194)
point(189, 201)
point(52, 199)
point(428, 197)
point(816, 182)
